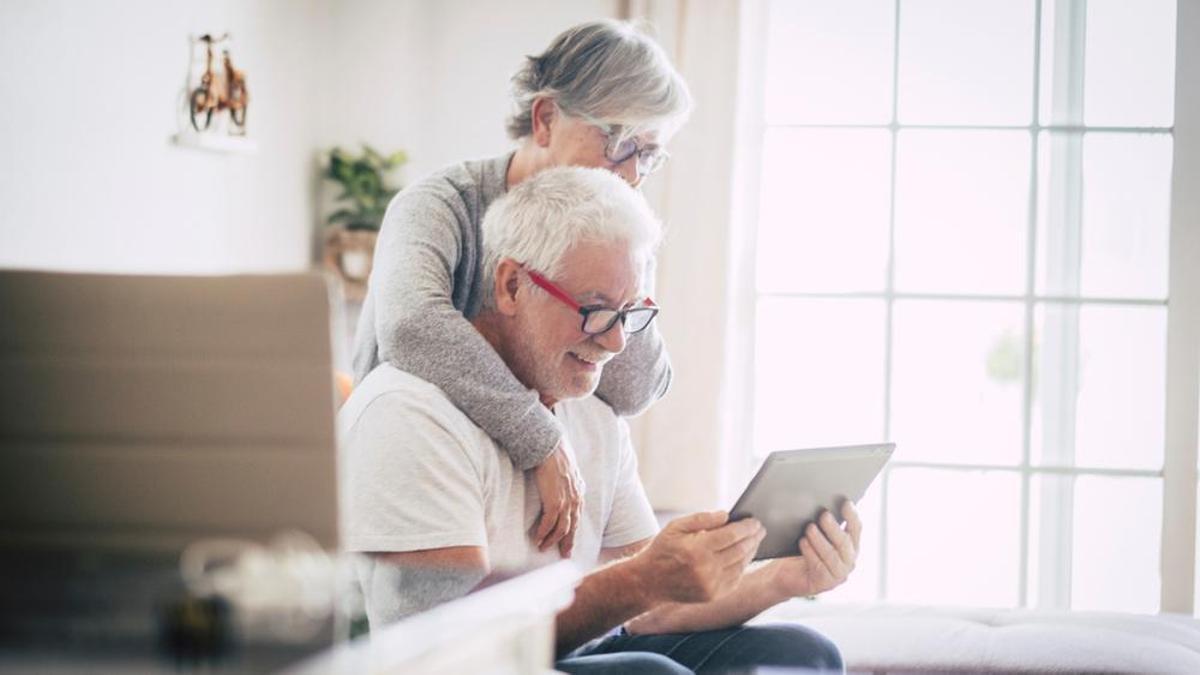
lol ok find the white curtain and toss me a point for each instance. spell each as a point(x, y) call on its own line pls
point(692, 442)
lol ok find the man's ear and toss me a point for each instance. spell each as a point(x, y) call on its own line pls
point(544, 116)
point(508, 284)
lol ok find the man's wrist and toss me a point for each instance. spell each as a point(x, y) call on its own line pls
point(636, 575)
point(776, 586)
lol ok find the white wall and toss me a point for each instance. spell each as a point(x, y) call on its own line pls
point(90, 181)
point(432, 77)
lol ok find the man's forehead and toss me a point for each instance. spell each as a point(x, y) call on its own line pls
point(604, 272)
point(612, 291)
point(601, 298)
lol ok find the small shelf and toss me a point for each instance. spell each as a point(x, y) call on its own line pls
point(216, 142)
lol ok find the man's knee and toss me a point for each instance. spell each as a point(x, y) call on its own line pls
point(635, 663)
point(793, 645)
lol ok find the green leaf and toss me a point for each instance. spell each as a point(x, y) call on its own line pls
point(397, 158)
point(342, 216)
point(372, 158)
point(365, 192)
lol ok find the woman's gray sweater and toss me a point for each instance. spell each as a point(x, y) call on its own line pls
point(426, 284)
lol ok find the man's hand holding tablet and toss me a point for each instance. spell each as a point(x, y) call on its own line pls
point(796, 495)
point(799, 497)
point(828, 552)
point(793, 488)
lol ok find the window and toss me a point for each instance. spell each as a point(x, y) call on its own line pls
point(962, 244)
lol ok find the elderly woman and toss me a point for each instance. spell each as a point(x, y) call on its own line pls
point(602, 95)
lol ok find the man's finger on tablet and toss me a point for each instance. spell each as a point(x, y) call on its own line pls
point(854, 524)
point(819, 572)
point(733, 533)
point(698, 522)
point(742, 551)
point(825, 550)
point(840, 540)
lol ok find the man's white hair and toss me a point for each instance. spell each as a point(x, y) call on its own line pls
point(542, 218)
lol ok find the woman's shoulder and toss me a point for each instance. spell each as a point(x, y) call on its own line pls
point(468, 182)
point(448, 202)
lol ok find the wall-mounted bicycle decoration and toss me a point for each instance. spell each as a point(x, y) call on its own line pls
point(220, 89)
point(213, 88)
point(217, 89)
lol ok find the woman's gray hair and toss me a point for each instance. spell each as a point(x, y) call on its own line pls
point(540, 220)
point(608, 71)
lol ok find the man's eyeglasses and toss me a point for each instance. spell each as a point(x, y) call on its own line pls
point(596, 319)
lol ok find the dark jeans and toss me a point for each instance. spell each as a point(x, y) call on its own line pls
point(733, 650)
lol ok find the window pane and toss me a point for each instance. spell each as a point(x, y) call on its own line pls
point(966, 62)
point(819, 373)
point(1116, 543)
point(1100, 391)
point(957, 381)
point(1106, 532)
point(953, 537)
point(1129, 75)
point(830, 62)
point(962, 211)
point(823, 216)
point(1113, 243)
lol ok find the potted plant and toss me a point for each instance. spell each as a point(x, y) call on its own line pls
point(354, 226)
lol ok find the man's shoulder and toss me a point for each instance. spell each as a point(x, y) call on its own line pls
point(394, 393)
point(591, 416)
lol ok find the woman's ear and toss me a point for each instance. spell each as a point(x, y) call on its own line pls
point(508, 284)
point(544, 115)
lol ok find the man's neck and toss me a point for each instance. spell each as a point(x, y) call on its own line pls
point(486, 323)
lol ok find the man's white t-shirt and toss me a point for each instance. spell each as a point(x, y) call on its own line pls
point(418, 474)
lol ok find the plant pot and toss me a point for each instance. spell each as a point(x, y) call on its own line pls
point(349, 255)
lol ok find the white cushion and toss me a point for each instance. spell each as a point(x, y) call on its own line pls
point(905, 639)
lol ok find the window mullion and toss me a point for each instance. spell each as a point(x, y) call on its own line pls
point(1058, 358)
point(889, 303)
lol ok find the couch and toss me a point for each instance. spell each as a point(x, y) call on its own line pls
point(881, 639)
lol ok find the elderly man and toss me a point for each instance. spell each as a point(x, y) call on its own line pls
point(436, 504)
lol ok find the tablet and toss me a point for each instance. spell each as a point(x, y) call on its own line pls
point(792, 487)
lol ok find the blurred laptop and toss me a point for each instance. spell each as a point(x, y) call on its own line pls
point(139, 414)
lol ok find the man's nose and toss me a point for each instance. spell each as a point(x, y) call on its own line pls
point(613, 339)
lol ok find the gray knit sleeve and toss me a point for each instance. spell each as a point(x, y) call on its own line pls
point(420, 331)
point(638, 376)
point(641, 374)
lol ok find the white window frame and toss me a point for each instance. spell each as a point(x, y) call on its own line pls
point(1182, 417)
point(1183, 326)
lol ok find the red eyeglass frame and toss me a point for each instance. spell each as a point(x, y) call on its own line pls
point(553, 289)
